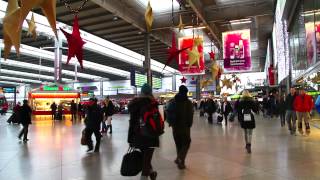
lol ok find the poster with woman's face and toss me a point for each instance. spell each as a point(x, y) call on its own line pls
point(317, 28)
point(311, 43)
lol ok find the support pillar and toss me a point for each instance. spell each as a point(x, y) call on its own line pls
point(15, 96)
point(75, 72)
point(58, 59)
point(147, 61)
point(174, 83)
point(198, 89)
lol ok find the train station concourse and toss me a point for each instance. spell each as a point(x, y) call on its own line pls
point(160, 89)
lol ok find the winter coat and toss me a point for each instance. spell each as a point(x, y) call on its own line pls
point(289, 102)
point(108, 109)
point(136, 108)
point(227, 109)
point(73, 107)
point(210, 106)
point(25, 114)
point(94, 117)
point(184, 114)
point(281, 106)
point(247, 103)
point(303, 103)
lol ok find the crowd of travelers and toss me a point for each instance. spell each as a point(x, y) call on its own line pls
point(146, 124)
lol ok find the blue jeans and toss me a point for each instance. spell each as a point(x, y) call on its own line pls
point(291, 118)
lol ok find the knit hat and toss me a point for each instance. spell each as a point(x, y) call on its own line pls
point(146, 89)
point(183, 90)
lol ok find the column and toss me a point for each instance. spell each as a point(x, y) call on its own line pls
point(174, 83)
point(147, 62)
point(57, 60)
point(198, 89)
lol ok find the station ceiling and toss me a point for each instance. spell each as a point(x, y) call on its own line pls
point(122, 22)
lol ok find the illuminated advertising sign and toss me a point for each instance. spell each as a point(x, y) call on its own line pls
point(191, 61)
point(236, 50)
point(55, 88)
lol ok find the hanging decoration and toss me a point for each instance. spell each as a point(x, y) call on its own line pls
point(173, 52)
point(316, 79)
point(11, 28)
point(205, 83)
point(212, 54)
point(75, 42)
point(148, 17)
point(32, 28)
point(215, 67)
point(226, 83)
point(194, 54)
point(183, 80)
point(181, 25)
point(48, 8)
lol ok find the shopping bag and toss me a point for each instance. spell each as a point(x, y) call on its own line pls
point(131, 162)
point(83, 138)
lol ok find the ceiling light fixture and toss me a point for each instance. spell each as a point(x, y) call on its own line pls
point(240, 21)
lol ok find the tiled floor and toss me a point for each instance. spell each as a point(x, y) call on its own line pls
point(54, 152)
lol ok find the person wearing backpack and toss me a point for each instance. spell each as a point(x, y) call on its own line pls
point(181, 124)
point(246, 117)
point(140, 108)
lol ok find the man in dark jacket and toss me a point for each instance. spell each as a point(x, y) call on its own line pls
point(226, 109)
point(210, 108)
point(73, 109)
point(93, 121)
point(290, 111)
point(25, 120)
point(181, 125)
point(146, 144)
point(53, 110)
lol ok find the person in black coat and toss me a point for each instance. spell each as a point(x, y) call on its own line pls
point(136, 107)
point(92, 122)
point(181, 125)
point(246, 117)
point(226, 109)
point(210, 108)
point(73, 109)
point(282, 110)
point(53, 110)
point(25, 119)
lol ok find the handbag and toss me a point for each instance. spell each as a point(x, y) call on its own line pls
point(131, 162)
point(247, 115)
point(83, 138)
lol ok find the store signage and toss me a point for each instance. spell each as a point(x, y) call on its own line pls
point(198, 67)
point(55, 88)
point(236, 50)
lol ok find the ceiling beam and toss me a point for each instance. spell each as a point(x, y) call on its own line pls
point(214, 31)
point(120, 9)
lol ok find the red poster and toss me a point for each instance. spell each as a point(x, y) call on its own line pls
point(195, 63)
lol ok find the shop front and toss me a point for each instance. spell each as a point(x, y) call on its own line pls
point(41, 98)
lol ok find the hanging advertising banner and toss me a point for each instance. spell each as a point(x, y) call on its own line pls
point(191, 61)
point(317, 24)
point(311, 43)
point(236, 50)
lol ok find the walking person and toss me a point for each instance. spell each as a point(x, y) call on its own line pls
point(146, 144)
point(108, 111)
point(53, 110)
point(282, 110)
point(93, 120)
point(303, 104)
point(25, 120)
point(14, 118)
point(210, 108)
point(73, 109)
point(226, 109)
point(80, 111)
point(291, 116)
point(246, 117)
point(181, 124)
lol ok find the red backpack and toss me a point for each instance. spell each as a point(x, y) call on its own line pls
point(151, 122)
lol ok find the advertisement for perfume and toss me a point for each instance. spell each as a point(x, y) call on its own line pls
point(191, 61)
point(236, 50)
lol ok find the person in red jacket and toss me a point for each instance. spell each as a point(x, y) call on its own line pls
point(303, 104)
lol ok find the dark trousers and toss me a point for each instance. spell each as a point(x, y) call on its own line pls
point(97, 134)
point(182, 141)
point(283, 119)
point(73, 116)
point(210, 118)
point(147, 158)
point(24, 131)
point(225, 118)
point(53, 115)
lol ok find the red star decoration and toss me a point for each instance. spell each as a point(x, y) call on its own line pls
point(75, 42)
point(183, 80)
point(211, 54)
point(192, 78)
point(173, 51)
